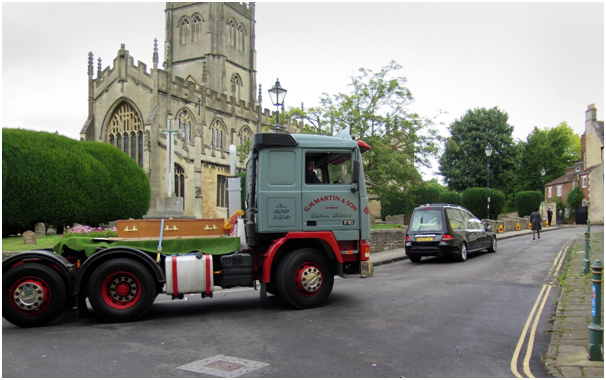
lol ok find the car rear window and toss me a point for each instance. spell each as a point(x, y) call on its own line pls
point(426, 220)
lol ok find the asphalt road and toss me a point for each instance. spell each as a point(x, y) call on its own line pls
point(436, 318)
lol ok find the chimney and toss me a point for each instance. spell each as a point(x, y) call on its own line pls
point(591, 115)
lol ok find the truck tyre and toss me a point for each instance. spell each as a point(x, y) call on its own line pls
point(304, 278)
point(121, 290)
point(33, 295)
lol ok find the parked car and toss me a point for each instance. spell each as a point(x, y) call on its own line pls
point(446, 230)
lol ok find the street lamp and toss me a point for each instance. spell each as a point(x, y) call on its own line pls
point(543, 172)
point(488, 151)
point(277, 95)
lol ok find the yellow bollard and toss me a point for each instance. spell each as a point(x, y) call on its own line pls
point(517, 226)
point(501, 228)
point(546, 223)
point(529, 225)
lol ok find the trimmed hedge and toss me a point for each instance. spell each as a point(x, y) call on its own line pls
point(527, 202)
point(451, 197)
point(476, 200)
point(59, 181)
point(394, 204)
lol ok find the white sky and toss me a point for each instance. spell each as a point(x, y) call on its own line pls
point(542, 63)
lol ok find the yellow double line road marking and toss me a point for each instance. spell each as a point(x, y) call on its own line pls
point(540, 303)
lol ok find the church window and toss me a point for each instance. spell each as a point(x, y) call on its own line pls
point(180, 182)
point(245, 135)
point(124, 129)
point(240, 37)
point(185, 31)
point(197, 28)
point(126, 143)
point(221, 191)
point(184, 121)
point(216, 135)
point(232, 32)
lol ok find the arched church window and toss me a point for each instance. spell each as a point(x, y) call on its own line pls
point(197, 28)
point(124, 129)
point(240, 37)
point(184, 121)
point(180, 182)
point(216, 135)
point(232, 32)
point(244, 135)
point(184, 31)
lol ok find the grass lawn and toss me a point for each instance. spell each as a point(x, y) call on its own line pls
point(385, 226)
point(16, 243)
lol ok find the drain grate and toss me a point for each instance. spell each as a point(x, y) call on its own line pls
point(223, 366)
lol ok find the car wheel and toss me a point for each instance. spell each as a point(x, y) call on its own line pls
point(493, 245)
point(462, 255)
point(414, 258)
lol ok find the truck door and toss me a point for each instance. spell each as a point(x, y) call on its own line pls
point(330, 204)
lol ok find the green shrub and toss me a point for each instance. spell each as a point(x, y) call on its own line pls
point(393, 204)
point(451, 197)
point(476, 200)
point(528, 201)
point(57, 180)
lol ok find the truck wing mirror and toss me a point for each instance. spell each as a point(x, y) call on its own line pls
point(356, 172)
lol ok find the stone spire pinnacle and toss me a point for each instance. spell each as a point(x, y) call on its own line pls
point(155, 56)
point(90, 63)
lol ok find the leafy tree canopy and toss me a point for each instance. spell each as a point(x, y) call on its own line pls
point(464, 162)
point(554, 149)
point(376, 111)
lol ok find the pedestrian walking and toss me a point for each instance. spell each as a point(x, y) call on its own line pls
point(549, 215)
point(561, 216)
point(535, 221)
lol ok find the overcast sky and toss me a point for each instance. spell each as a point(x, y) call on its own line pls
point(542, 63)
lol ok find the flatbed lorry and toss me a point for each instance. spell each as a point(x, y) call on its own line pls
point(297, 236)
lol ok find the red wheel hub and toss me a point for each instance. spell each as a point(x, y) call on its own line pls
point(121, 290)
point(308, 279)
point(30, 295)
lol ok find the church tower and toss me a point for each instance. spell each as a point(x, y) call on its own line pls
point(205, 94)
point(213, 44)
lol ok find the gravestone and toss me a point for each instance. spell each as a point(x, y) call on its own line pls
point(40, 229)
point(29, 238)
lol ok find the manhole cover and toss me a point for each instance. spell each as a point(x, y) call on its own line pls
point(223, 366)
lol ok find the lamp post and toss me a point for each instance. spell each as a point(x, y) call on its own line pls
point(488, 151)
point(277, 95)
point(543, 172)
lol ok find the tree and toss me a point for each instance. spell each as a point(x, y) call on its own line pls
point(554, 149)
point(464, 162)
point(375, 111)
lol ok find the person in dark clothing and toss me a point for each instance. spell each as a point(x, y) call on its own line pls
point(535, 221)
point(549, 215)
point(310, 175)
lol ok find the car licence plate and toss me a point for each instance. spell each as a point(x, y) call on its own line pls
point(425, 239)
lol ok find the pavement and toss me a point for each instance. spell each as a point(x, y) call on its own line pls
point(568, 352)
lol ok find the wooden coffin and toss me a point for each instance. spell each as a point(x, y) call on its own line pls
point(150, 228)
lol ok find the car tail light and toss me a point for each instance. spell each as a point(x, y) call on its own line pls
point(364, 250)
point(447, 237)
point(407, 238)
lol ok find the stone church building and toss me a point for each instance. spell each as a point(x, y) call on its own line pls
point(206, 91)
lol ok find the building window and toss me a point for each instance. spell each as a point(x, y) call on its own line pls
point(221, 191)
point(240, 37)
point(180, 182)
point(578, 169)
point(197, 28)
point(216, 135)
point(184, 122)
point(549, 195)
point(125, 131)
point(184, 31)
point(584, 181)
point(559, 191)
point(244, 135)
point(231, 25)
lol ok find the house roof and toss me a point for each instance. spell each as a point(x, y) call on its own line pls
point(571, 176)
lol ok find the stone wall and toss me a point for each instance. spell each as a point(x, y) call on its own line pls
point(384, 240)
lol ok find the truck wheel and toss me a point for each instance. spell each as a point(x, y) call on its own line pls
point(33, 295)
point(121, 290)
point(304, 278)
